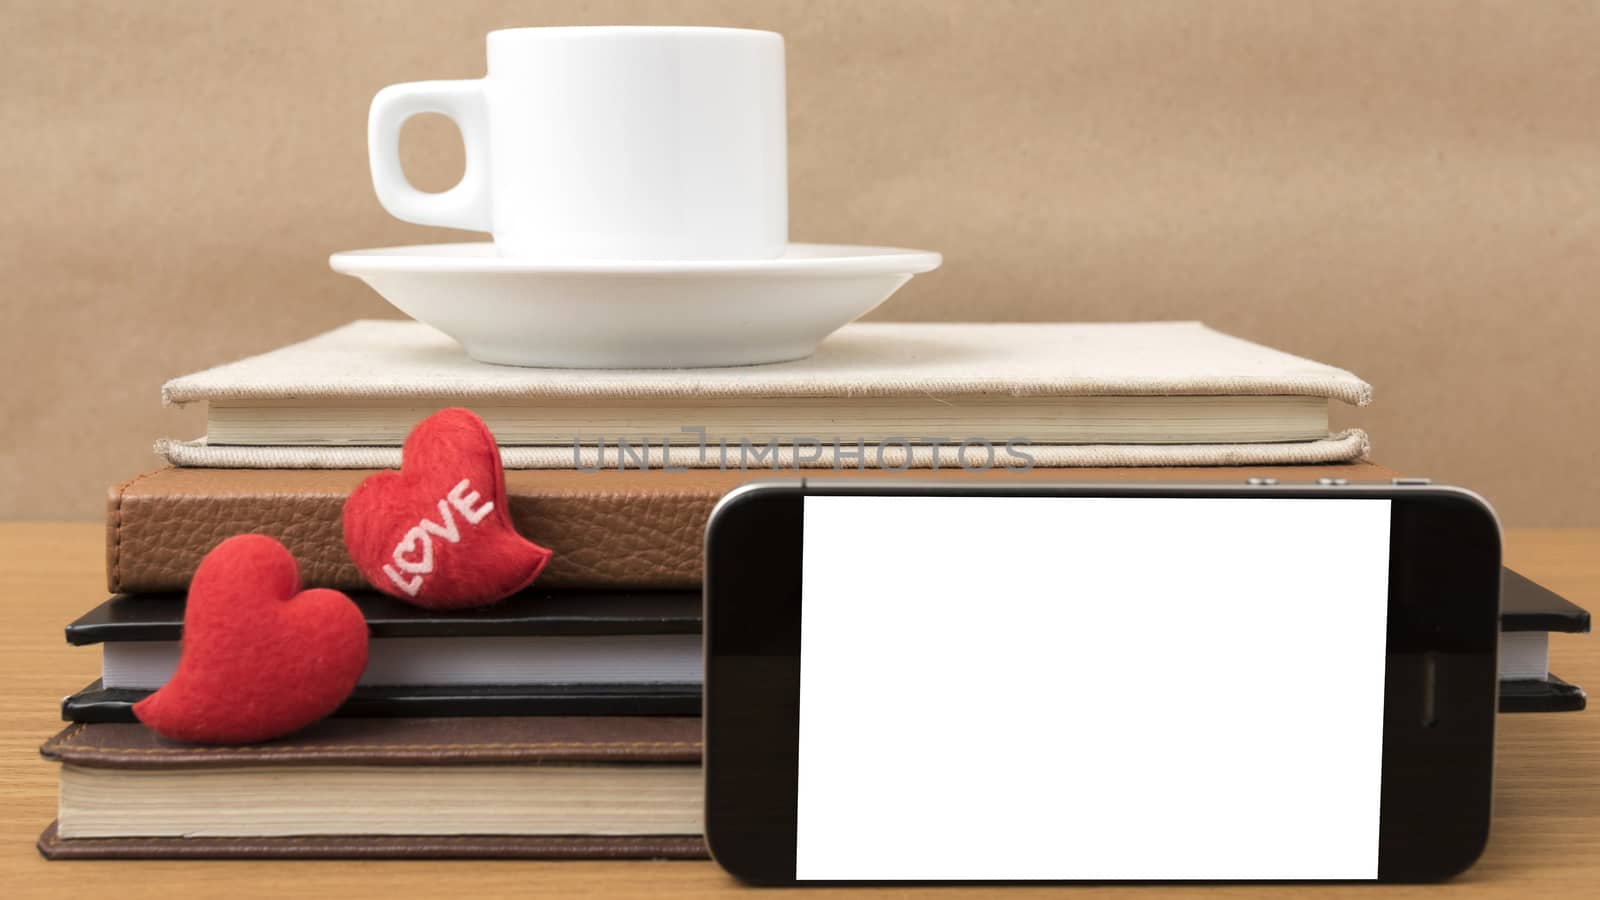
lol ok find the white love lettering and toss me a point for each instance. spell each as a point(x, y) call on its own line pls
point(414, 538)
point(448, 530)
point(419, 538)
point(463, 501)
point(411, 586)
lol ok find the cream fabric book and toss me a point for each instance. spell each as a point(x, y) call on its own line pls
point(1151, 393)
point(313, 800)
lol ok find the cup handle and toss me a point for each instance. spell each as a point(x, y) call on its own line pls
point(467, 204)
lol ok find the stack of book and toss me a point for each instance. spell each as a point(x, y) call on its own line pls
point(564, 721)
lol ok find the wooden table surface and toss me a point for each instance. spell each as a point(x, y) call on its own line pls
point(1546, 839)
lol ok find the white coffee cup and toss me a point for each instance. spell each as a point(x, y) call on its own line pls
point(607, 143)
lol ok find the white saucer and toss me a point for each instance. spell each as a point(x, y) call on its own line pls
point(635, 313)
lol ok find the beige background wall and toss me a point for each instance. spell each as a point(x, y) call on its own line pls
point(1410, 190)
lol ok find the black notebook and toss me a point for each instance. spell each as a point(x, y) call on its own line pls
point(97, 703)
point(1529, 612)
point(538, 653)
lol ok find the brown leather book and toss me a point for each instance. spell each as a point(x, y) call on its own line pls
point(609, 529)
point(523, 787)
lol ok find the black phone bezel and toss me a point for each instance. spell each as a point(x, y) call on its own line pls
point(1440, 685)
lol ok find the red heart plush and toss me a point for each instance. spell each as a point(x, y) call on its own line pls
point(259, 660)
point(438, 533)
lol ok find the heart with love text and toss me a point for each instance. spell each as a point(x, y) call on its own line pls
point(438, 533)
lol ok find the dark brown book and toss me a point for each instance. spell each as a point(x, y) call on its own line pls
point(545, 786)
point(609, 529)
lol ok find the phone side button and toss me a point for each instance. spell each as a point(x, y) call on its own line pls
point(1258, 481)
point(1412, 481)
point(1325, 481)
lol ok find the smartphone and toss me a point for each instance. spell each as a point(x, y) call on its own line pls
point(955, 682)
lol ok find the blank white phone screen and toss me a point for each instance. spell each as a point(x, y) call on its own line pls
point(1091, 688)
